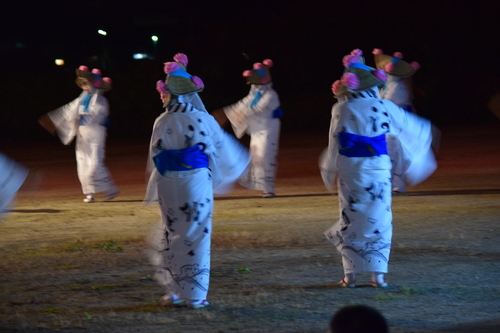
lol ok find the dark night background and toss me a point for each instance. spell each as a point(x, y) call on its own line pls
point(455, 42)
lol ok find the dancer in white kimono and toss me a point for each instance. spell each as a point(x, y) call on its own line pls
point(357, 159)
point(258, 114)
point(191, 158)
point(12, 176)
point(397, 89)
point(86, 117)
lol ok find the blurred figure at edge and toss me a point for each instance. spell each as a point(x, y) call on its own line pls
point(12, 176)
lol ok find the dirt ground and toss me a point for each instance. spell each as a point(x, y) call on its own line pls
point(67, 266)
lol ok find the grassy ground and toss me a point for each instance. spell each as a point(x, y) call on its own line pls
point(71, 267)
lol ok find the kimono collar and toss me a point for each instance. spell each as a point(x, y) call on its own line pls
point(181, 108)
point(370, 93)
point(186, 103)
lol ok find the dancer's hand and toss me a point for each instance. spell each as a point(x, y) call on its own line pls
point(47, 124)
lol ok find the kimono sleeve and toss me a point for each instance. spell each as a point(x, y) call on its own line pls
point(415, 135)
point(242, 113)
point(65, 120)
point(328, 158)
point(152, 174)
point(228, 161)
point(236, 113)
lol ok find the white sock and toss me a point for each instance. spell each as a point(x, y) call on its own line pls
point(377, 277)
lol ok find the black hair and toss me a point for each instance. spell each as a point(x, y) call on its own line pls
point(358, 319)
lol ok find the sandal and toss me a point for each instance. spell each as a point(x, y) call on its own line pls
point(88, 199)
point(268, 195)
point(199, 304)
point(380, 285)
point(172, 300)
point(344, 284)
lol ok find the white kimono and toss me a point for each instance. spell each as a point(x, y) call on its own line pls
point(398, 91)
point(12, 176)
point(89, 127)
point(180, 245)
point(363, 233)
point(255, 116)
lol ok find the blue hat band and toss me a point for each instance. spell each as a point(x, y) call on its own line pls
point(360, 65)
point(182, 73)
point(261, 72)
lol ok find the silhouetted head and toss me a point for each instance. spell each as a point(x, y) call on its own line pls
point(358, 319)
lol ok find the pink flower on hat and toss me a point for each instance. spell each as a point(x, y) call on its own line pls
point(357, 53)
point(96, 71)
point(336, 87)
point(350, 80)
point(415, 65)
point(107, 80)
point(83, 68)
point(160, 87)
point(398, 55)
point(264, 79)
point(380, 74)
point(268, 62)
point(170, 67)
point(389, 67)
point(182, 58)
point(258, 65)
point(377, 51)
point(349, 59)
point(247, 73)
point(352, 58)
point(97, 83)
point(197, 81)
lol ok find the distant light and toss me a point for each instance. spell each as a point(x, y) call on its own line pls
point(102, 32)
point(154, 38)
point(140, 55)
point(59, 62)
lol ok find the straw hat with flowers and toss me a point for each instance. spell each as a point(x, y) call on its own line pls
point(178, 81)
point(93, 77)
point(394, 65)
point(357, 76)
point(259, 74)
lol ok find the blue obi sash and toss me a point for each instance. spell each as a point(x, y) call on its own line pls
point(180, 159)
point(352, 145)
point(278, 113)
